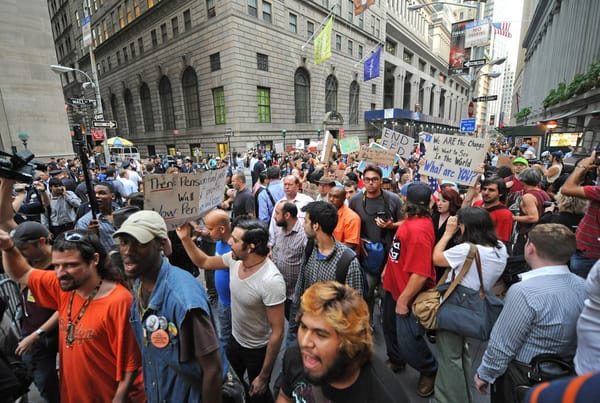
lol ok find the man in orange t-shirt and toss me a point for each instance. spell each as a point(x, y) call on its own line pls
point(99, 358)
point(347, 230)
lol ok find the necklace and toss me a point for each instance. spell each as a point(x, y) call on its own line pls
point(71, 324)
point(246, 268)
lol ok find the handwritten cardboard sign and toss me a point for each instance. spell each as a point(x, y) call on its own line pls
point(327, 147)
point(180, 198)
point(349, 144)
point(379, 156)
point(386, 168)
point(454, 158)
point(402, 144)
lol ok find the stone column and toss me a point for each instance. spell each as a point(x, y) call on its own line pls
point(399, 88)
point(426, 97)
point(436, 101)
point(448, 105)
point(414, 92)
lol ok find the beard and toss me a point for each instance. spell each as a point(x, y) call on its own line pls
point(282, 224)
point(337, 371)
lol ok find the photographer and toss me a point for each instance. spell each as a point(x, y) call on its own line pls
point(30, 201)
point(588, 231)
point(63, 208)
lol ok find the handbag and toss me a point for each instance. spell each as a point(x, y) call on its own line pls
point(427, 304)
point(468, 312)
point(374, 261)
point(233, 390)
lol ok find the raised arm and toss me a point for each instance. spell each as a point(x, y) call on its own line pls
point(572, 186)
point(198, 257)
point(7, 213)
point(15, 265)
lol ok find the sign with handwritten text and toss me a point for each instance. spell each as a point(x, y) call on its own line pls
point(180, 198)
point(402, 144)
point(349, 144)
point(454, 158)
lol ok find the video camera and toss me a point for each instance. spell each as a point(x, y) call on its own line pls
point(20, 166)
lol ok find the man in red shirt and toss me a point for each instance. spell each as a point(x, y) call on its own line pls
point(493, 191)
point(409, 270)
point(588, 230)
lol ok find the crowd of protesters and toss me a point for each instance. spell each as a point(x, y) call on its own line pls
point(306, 248)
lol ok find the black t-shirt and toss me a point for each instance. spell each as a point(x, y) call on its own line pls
point(243, 203)
point(375, 384)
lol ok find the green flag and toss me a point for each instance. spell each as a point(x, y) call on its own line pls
point(323, 43)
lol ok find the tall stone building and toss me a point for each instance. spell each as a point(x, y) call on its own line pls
point(177, 75)
point(31, 100)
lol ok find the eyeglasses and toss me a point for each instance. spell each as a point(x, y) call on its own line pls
point(372, 179)
point(72, 236)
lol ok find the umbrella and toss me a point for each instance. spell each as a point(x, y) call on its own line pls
point(118, 142)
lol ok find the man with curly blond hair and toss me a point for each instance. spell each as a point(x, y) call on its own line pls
point(334, 360)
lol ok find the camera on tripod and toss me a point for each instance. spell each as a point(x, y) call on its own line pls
point(20, 166)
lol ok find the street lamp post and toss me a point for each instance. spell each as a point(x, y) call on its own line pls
point(24, 137)
point(283, 132)
point(228, 134)
point(93, 82)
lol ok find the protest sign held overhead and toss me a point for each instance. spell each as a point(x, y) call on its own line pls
point(180, 198)
point(402, 144)
point(454, 158)
point(349, 144)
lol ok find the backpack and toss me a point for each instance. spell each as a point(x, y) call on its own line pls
point(343, 265)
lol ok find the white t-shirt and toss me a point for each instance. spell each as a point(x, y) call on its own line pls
point(249, 301)
point(493, 261)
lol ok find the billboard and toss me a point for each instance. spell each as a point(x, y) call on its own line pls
point(459, 53)
point(477, 33)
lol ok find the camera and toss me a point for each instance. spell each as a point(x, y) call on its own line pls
point(20, 166)
point(383, 215)
point(549, 204)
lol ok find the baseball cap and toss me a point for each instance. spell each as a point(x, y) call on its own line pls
point(144, 226)
point(125, 164)
point(28, 231)
point(558, 154)
point(520, 160)
point(326, 181)
point(524, 145)
point(418, 193)
point(545, 153)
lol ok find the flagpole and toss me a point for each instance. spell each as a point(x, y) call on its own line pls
point(322, 24)
point(369, 53)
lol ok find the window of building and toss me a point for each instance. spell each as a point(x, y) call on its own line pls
point(331, 86)
point(132, 50)
point(146, 102)
point(187, 20)
point(350, 47)
point(136, 8)
point(263, 96)
point(373, 107)
point(215, 62)
point(118, 57)
point(154, 38)
point(338, 42)
point(219, 103)
point(267, 12)
point(361, 20)
point(191, 98)
point(113, 21)
point(141, 45)
point(377, 27)
point(210, 8)
point(310, 29)
point(350, 14)
point(262, 62)
point(360, 52)
point(77, 18)
point(125, 55)
point(422, 65)
point(408, 56)
point(109, 63)
point(302, 96)
point(121, 16)
point(114, 107)
point(105, 29)
point(373, 24)
point(252, 10)
point(129, 111)
point(150, 3)
point(432, 71)
point(128, 11)
point(166, 103)
point(163, 32)
point(175, 26)
point(442, 78)
point(354, 95)
point(373, 89)
point(293, 23)
point(390, 47)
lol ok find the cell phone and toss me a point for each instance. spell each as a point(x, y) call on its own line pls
point(383, 215)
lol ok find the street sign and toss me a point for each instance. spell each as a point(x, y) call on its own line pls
point(99, 116)
point(475, 63)
point(467, 125)
point(86, 31)
point(81, 101)
point(470, 110)
point(110, 124)
point(97, 134)
point(486, 98)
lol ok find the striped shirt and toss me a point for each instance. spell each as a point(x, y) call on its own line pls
point(588, 231)
point(288, 254)
point(539, 316)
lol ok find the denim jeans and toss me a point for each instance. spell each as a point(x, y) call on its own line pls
point(580, 264)
point(412, 345)
point(388, 324)
point(41, 361)
point(248, 360)
point(224, 315)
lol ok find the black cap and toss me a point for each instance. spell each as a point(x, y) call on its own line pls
point(27, 232)
point(418, 193)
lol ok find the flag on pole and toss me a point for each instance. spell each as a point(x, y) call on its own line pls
point(371, 67)
point(360, 6)
point(323, 43)
point(502, 28)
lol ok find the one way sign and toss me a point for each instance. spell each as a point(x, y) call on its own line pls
point(109, 124)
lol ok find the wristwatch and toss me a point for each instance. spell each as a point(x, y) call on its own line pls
point(40, 332)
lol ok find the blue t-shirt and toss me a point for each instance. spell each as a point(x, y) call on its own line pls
point(222, 276)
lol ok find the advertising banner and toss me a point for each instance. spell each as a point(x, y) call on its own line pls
point(477, 33)
point(459, 53)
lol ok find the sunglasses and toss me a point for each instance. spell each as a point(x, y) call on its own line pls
point(72, 236)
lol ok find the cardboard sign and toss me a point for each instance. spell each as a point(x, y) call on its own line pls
point(454, 158)
point(402, 144)
point(379, 156)
point(504, 161)
point(325, 154)
point(180, 198)
point(349, 144)
point(300, 144)
point(386, 168)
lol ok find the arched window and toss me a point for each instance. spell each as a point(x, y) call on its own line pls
point(191, 99)
point(166, 103)
point(131, 123)
point(331, 87)
point(302, 96)
point(353, 113)
point(146, 108)
point(114, 108)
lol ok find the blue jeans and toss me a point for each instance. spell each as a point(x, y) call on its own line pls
point(224, 315)
point(41, 361)
point(580, 264)
point(388, 324)
point(412, 345)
